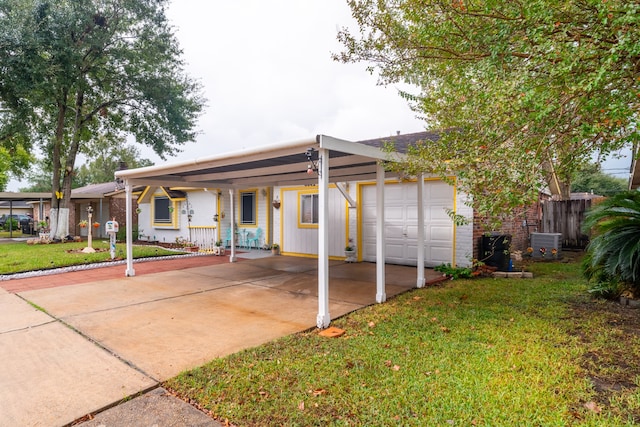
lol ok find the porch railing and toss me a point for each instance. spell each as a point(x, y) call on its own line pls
point(204, 236)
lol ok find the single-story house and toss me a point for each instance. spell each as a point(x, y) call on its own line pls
point(313, 198)
point(105, 199)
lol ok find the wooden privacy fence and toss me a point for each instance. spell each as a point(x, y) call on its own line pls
point(566, 217)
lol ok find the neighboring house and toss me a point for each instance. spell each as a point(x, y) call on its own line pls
point(19, 207)
point(106, 202)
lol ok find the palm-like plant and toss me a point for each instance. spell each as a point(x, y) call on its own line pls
point(614, 253)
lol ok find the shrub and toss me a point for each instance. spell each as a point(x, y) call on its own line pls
point(613, 255)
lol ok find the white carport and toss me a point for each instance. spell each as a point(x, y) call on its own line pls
point(286, 164)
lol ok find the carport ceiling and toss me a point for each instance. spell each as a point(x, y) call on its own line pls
point(278, 164)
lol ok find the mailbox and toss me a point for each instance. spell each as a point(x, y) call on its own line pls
point(111, 227)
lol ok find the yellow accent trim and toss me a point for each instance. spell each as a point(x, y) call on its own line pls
point(281, 240)
point(267, 225)
point(176, 199)
point(455, 227)
point(144, 193)
point(359, 225)
point(299, 200)
point(346, 226)
point(301, 255)
point(174, 225)
point(255, 207)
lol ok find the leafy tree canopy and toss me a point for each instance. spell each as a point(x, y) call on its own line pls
point(590, 179)
point(523, 92)
point(71, 70)
point(105, 159)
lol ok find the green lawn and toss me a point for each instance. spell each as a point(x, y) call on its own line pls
point(485, 352)
point(19, 256)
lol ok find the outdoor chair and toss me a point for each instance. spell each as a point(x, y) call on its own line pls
point(243, 238)
point(256, 239)
point(227, 240)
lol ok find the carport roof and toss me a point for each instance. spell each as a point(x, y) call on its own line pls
point(280, 164)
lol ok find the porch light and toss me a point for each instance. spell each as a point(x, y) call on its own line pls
point(215, 218)
point(314, 161)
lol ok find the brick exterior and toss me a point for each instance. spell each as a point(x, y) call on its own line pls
point(520, 225)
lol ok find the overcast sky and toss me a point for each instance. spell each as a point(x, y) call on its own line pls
point(268, 77)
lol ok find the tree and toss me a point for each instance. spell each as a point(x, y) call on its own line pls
point(106, 159)
point(591, 179)
point(71, 70)
point(522, 92)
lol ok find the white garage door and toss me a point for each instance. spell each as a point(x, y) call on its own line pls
point(401, 223)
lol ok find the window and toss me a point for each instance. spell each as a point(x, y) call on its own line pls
point(308, 209)
point(248, 208)
point(162, 213)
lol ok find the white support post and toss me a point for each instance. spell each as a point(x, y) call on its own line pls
point(420, 254)
point(381, 295)
point(324, 318)
point(130, 272)
point(232, 243)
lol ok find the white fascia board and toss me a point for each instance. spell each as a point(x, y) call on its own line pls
point(257, 153)
point(344, 146)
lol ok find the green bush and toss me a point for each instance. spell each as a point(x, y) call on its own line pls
point(613, 255)
point(13, 223)
point(121, 235)
point(454, 272)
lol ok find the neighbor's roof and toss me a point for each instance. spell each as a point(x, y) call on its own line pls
point(281, 164)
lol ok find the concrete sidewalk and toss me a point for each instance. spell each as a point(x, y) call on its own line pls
point(97, 343)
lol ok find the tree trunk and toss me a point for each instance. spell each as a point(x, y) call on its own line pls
point(56, 166)
point(559, 188)
point(64, 200)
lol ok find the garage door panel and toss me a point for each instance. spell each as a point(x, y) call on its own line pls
point(401, 223)
point(393, 213)
point(393, 232)
point(440, 255)
point(440, 233)
point(440, 190)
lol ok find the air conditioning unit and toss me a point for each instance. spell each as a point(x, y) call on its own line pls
point(548, 241)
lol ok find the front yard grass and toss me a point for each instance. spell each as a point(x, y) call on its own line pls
point(481, 352)
point(20, 257)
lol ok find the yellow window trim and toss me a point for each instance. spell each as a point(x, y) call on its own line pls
point(299, 200)
point(174, 215)
point(255, 207)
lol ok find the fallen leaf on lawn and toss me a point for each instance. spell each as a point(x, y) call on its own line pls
point(387, 363)
point(417, 298)
point(593, 407)
point(301, 406)
point(319, 392)
point(372, 324)
point(396, 368)
point(445, 329)
point(434, 319)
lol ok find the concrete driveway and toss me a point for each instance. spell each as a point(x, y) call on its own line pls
point(72, 350)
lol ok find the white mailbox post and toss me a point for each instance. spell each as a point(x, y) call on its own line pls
point(111, 227)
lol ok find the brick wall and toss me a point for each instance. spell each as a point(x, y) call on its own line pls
point(519, 225)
